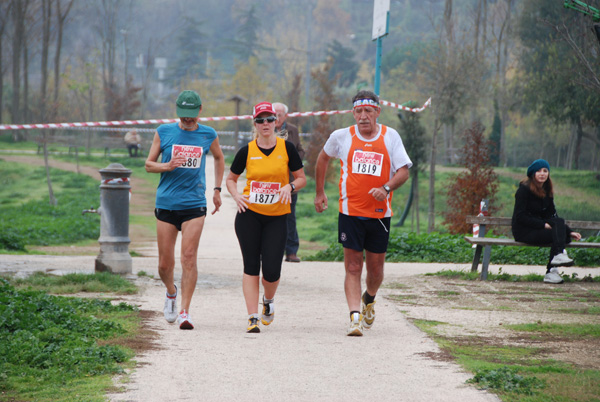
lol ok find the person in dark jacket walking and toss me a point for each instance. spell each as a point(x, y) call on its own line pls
point(284, 127)
point(536, 222)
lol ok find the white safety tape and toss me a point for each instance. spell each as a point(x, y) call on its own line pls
point(163, 121)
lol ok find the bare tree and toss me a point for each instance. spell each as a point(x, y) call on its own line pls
point(453, 79)
point(108, 15)
point(502, 41)
point(452, 73)
point(5, 9)
point(46, 27)
point(19, 12)
point(585, 48)
point(61, 16)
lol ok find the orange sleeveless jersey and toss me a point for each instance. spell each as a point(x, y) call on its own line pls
point(367, 165)
point(265, 175)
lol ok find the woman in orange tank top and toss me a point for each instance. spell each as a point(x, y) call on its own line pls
point(261, 221)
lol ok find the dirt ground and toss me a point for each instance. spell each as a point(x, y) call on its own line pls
point(481, 310)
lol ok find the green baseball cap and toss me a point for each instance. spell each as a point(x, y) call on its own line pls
point(188, 104)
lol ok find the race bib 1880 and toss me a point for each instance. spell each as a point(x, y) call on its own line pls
point(367, 163)
point(192, 153)
point(264, 193)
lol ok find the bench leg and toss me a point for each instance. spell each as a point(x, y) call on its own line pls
point(486, 262)
point(476, 258)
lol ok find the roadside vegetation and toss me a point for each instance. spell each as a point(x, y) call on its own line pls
point(57, 348)
point(29, 219)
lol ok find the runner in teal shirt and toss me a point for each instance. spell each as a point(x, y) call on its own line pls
point(180, 199)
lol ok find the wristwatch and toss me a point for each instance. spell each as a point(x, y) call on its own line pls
point(293, 187)
point(387, 188)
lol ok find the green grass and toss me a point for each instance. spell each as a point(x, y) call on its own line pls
point(58, 348)
point(506, 277)
point(30, 219)
point(103, 282)
point(560, 330)
point(521, 373)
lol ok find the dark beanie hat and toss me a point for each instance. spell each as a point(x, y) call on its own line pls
point(537, 165)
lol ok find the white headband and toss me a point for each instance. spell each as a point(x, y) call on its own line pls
point(365, 102)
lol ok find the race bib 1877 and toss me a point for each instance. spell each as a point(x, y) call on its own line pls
point(367, 163)
point(192, 153)
point(264, 193)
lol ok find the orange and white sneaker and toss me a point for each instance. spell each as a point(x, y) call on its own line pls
point(356, 325)
point(184, 320)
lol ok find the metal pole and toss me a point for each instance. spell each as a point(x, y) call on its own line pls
point(378, 65)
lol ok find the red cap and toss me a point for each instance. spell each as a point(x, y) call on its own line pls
point(262, 107)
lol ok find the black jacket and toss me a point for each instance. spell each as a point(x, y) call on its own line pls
point(531, 212)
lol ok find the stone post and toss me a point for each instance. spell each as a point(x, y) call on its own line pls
point(114, 220)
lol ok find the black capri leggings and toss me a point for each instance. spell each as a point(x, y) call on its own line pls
point(261, 238)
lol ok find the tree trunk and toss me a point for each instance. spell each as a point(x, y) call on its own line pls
point(484, 25)
point(61, 18)
point(408, 203)
point(25, 113)
point(431, 212)
point(51, 198)
point(46, 24)
point(1, 71)
point(416, 201)
point(108, 33)
point(477, 27)
point(5, 9)
point(578, 137)
point(503, 67)
point(18, 13)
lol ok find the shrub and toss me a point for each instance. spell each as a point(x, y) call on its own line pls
point(478, 182)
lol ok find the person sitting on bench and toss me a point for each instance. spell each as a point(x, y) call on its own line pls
point(536, 222)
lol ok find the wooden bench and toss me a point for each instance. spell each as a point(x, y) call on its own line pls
point(485, 243)
point(66, 140)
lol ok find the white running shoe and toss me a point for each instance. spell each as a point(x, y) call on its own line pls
point(268, 313)
point(356, 325)
point(170, 309)
point(553, 276)
point(185, 321)
point(561, 260)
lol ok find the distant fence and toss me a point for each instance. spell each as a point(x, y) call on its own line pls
point(111, 138)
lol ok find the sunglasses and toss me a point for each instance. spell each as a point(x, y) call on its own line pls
point(261, 120)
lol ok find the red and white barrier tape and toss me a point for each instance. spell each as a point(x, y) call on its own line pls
point(116, 180)
point(219, 118)
point(482, 212)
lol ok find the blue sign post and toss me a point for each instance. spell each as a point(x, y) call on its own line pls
point(381, 22)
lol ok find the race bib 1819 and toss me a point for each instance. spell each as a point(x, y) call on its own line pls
point(264, 193)
point(367, 163)
point(192, 153)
